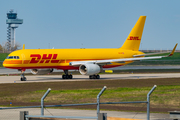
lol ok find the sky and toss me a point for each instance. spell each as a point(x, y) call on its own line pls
point(92, 23)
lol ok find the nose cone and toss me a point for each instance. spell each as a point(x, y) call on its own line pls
point(4, 63)
point(7, 63)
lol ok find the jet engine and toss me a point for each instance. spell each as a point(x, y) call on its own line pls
point(41, 71)
point(89, 69)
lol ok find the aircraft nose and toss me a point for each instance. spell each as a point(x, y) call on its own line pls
point(4, 63)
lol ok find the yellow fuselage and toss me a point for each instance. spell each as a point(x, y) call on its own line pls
point(60, 58)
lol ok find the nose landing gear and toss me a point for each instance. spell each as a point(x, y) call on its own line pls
point(23, 78)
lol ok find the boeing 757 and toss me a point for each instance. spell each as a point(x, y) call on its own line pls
point(88, 61)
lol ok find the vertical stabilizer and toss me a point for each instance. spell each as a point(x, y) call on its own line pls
point(134, 39)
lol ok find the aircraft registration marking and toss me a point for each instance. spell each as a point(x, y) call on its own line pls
point(120, 52)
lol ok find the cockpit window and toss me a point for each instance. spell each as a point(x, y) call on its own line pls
point(12, 57)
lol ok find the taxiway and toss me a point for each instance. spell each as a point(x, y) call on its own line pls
point(57, 78)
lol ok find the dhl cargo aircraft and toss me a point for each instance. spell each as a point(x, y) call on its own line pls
point(87, 61)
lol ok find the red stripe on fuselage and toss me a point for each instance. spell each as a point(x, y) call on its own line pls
point(59, 67)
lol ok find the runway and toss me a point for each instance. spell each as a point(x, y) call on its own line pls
point(58, 78)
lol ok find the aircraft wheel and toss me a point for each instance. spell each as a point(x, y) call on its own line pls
point(67, 77)
point(63, 76)
point(23, 79)
point(70, 76)
point(91, 77)
point(94, 77)
point(97, 76)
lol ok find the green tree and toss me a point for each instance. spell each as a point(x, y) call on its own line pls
point(17, 46)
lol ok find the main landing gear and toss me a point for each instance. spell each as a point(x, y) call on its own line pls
point(67, 76)
point(23, 78)
point(94, 77)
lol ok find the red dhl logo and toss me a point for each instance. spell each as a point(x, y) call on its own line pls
point(133, 38)
point(45, 58)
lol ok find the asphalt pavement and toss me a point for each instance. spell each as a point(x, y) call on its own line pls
point(58, 78)
point(13, 114)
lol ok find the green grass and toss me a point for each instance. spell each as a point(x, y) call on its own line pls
point(162, 96)
point(1, 64)
point(165, 96)
point(3, 56)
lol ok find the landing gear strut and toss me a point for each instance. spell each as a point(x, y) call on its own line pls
point(67, 76)
point(23, 78)
point(94, 77)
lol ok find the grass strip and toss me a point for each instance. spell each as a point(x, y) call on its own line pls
point(164, 98)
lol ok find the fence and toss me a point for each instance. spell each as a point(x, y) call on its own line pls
point(25, 115)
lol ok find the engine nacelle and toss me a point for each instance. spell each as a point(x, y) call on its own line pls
point(89, 69)
point(41, 71)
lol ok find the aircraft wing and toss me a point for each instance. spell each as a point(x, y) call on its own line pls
point(105, 62)
point(148, 54)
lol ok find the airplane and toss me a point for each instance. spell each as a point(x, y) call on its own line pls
point(88, 61)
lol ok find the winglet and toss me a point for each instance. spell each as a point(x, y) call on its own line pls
point(23, 46)
point(173, 50)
